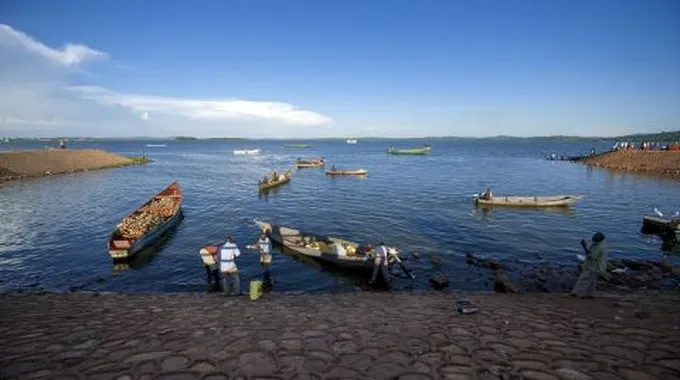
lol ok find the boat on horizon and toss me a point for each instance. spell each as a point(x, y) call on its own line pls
point(147, 223)
point(156, 145)
point(425, 149)
point(298, 145)
point(352, 141)
point(247, 152)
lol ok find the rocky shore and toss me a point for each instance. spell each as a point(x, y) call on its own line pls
point(38, 163)
point(660, 162)
point(334, 336)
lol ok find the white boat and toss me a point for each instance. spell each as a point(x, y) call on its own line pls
point(247, 152)
point(351, 141)
point(156, 145)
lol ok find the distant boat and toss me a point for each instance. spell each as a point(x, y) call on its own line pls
point(336, 172)
point(425, 149)
point(147, 223)
point(298, 146)
point(156, 145)
point(351, 141)
point(312, 163)
point(247, 152)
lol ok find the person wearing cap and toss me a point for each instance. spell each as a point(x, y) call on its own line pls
point(595, 265)
point(230, 277)
point(380, 264)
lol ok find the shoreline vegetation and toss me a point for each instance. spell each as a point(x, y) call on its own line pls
point(662, 136)
point(16, 165)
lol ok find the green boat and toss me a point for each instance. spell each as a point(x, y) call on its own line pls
point(298, 146)
point(414, 151)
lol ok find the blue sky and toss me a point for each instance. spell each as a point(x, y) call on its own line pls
point(276, 68)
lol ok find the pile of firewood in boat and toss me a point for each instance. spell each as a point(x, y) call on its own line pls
point(146, 218)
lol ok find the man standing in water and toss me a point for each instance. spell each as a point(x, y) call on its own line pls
point(380, 265)
point(230, 277)
point(265, 246)
point(594, 266)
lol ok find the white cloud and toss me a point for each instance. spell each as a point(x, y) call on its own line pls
point(38, 98)
point(70, 55)
point(205, 109)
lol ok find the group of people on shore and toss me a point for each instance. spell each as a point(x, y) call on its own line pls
point(645, 145)
point(224, 272)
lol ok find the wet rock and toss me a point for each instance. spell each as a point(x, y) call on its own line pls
point(483, 263)
point(642, 314)
point(502, 283)
point(439, 281)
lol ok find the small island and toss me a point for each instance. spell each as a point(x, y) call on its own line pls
point(39, 163)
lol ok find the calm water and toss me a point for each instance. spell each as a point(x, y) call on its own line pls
point(53, 231)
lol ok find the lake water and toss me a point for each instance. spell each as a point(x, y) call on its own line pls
point(53, 231)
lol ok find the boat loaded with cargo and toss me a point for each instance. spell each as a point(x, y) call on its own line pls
point(147, 223)
point(274, 182)
point(329, 250)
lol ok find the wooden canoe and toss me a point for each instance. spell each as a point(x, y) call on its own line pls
point(272, 184)
point(415, 151)
point(321, 248)
point(316, 163)
point(347, 172)
point(538, 201)
point(147, 223)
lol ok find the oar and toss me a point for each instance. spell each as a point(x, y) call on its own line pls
point(408, 273)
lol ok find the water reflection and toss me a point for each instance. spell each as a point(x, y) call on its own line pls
point(488, 211)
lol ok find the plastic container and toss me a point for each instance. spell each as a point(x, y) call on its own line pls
point(255, 290)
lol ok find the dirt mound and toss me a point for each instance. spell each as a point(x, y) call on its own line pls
point(663, 162)
point(35, 163)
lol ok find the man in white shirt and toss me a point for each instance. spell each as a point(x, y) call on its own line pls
point(380, 264)
point(230, 277)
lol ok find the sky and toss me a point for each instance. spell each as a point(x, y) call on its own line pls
point(338, 68)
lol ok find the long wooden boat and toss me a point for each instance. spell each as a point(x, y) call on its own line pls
point(147, 223)
point(324, 249)
point(425, 149)
point(285, 177)
point(313, 163)
point(538, 201)
point(347, 172)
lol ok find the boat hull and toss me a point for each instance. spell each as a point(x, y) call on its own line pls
point(654, 224)
point(539, 201)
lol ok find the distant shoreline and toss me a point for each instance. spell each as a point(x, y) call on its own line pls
point(660, 137)
point(15, 165)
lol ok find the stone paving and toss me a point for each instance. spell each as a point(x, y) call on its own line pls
point(339, 336)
